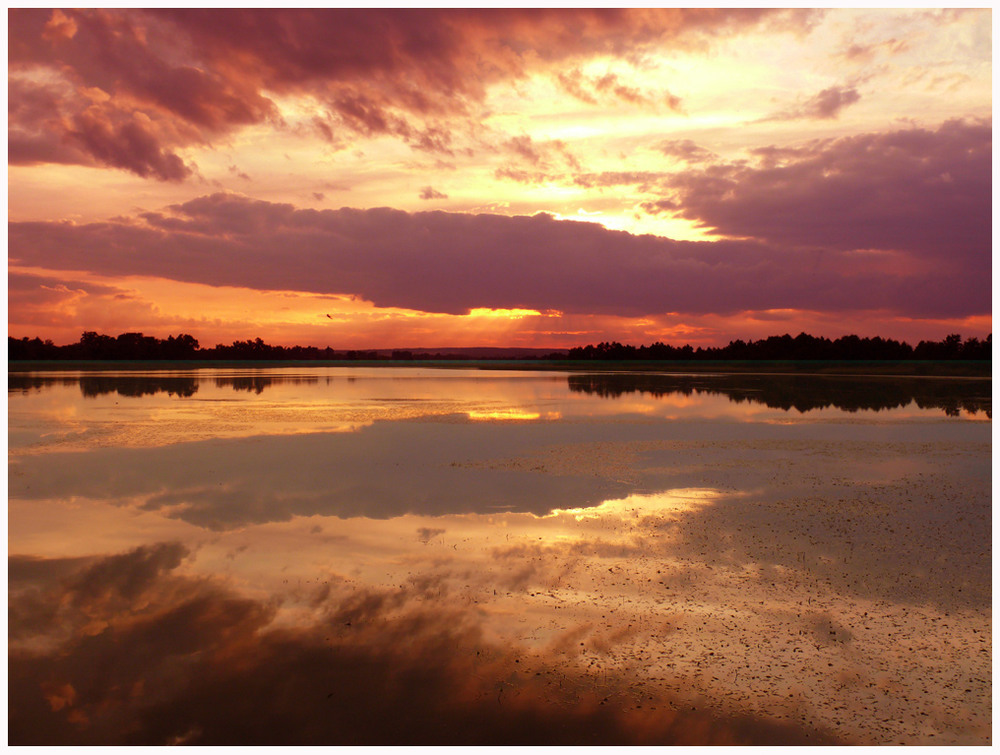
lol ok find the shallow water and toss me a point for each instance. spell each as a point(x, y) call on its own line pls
point(407, 555)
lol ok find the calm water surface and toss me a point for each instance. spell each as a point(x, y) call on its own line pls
point(421, 556)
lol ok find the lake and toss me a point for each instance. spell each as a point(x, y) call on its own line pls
point(408, 555)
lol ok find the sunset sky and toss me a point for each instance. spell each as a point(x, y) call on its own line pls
point(547, 178)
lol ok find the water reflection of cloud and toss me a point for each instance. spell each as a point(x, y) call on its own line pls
point(865, 513)
point(156, 657)
point(384, 470)
point(730, 559)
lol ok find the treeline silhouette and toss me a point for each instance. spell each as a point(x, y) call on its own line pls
point(139, 347)
point(802, 347)
point(801, 393)
point(127, 346)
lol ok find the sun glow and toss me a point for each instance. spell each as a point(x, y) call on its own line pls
point(506, 314)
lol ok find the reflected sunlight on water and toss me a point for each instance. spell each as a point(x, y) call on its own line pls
point(511, 414)
point(636, 506)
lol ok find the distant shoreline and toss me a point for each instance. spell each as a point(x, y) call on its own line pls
point(857, 368)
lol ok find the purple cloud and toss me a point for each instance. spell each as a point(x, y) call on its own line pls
point(451, 263)
point(920, 192)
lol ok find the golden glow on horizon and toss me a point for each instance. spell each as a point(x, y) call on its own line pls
point(507, 314)
point(219, 314)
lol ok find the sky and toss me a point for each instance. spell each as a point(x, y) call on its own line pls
point(534, 178)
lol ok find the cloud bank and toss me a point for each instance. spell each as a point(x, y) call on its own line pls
point(899, 222)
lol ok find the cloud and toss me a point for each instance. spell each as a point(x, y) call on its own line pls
point(922, 192)
point(660, 206)
point(512, 173)
point(609, 87)
point(130, 144)
point(865, 53)
point(805, 226)
point(51, 122)
point(36, 133)
point(825, 105)
point(184, 659)
point(68, 304)
point(644, 180)
point(535, 161)
point(686, 150)
point(46, 290)
point(176, 78)
point(429, 192)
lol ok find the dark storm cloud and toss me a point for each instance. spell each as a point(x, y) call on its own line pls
point(194, 75)
point(185, 660)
